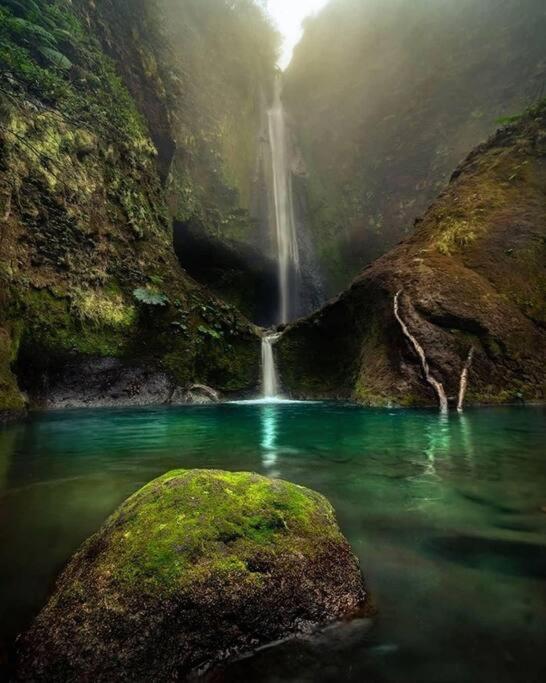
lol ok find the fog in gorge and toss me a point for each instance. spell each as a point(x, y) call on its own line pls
point(382, 100)
point(272, 340)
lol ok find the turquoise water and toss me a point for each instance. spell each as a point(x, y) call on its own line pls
point(444, 513)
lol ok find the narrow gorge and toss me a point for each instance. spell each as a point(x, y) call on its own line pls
point(272, 340)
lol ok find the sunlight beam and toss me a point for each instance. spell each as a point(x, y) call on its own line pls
point(288, 15)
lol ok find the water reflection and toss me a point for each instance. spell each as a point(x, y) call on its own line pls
point(438, 436)
point(467, 449)
point(428, 486)
point(269, 420)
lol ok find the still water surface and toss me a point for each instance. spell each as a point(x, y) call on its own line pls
point(445, 514)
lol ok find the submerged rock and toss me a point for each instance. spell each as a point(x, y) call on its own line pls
point(196, 567)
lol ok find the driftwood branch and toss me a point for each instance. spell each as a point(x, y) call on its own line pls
point(463, 384)
point(437, 386)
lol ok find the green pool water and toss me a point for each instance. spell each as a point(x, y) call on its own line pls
point(443, 512)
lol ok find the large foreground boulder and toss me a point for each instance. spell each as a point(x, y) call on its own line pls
point(196, 567)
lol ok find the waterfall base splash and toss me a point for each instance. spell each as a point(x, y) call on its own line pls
point(270, 380)
point(274, 400)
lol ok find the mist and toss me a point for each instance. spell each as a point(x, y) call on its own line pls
point(272, 340)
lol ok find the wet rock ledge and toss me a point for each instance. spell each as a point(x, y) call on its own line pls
point(197, 567)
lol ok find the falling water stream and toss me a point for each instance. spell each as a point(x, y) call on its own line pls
point(270, 384)
point(288, 256)
point(287, 249)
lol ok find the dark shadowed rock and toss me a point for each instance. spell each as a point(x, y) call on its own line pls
point(196, 567)
point(109, 383)
point(238, 272)
point(102, 383)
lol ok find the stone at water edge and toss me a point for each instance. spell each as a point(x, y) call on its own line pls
point(195, 567)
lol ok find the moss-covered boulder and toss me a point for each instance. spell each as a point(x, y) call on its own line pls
point(196, 567)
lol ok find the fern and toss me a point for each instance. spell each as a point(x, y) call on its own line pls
point(21, 8)
point(34, 34)
point(209, 331)
point(149, 297)
point(56, 58)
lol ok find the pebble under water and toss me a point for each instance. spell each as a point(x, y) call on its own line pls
point(445, 513)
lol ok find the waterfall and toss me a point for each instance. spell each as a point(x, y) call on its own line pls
point(270, 384)
point(288, 257)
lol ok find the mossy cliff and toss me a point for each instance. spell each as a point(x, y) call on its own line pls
point(196, 567)
point(201, 74)
point(131, 34)
point(223, 55)
point(87, 268)
point(471, 277)
point(209, 68)
point(388, 96)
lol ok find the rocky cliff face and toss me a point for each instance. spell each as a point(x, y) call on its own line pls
point(223, 56)
point(87, 268)
point(388, 97)
point(131, 33)
point(471, 279)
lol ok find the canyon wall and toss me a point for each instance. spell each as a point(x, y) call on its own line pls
point(387, 97)
point(460, 302)
point(93, 148)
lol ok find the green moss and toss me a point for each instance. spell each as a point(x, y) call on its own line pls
point(57, 325)
point(103, 309)
point(28, 46)
point(11, 398)
point(190, 524)
point(87, 214)
point(230, 365)
point(463, 222)
point(513, 393)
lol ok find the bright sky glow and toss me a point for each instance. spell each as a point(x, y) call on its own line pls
point(288, 16)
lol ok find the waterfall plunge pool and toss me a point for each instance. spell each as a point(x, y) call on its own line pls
point(444, 512)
